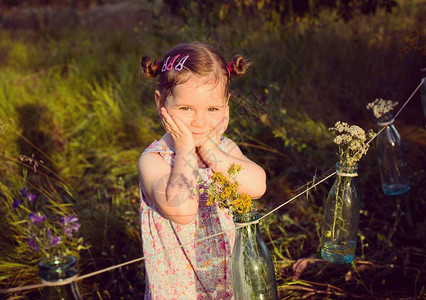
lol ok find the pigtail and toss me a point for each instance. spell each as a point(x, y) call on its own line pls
point(149, 68)
point(239, 65)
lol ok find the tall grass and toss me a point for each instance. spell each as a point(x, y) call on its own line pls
point(74, 98)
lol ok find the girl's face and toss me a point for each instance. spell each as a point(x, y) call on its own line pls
point(200, 105)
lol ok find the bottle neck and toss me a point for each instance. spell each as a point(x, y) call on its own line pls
point(347, 171)
point(58, 268)
point(385, 120)
point(246, 217)
point(246, 223)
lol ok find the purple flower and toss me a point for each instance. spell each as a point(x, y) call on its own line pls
point(70, 224)
point(37, 218)
point(32, 243)
point(24, 192)
point(53, 240)
point(69, 220)
point(15, 203)
point(32, 197)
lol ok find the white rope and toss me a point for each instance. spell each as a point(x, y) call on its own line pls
point(61, 282)
point(346, 174)
point(387, 123)
point(301, 193)
point(409, 98)
point(239, 225)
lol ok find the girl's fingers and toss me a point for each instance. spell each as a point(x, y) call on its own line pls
point(181, 126)
point(166, 125)
point(169, 122)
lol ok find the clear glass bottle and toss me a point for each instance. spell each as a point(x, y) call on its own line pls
point(59, 269)
point(391, 158)
point(253, 271)
point(341, 217)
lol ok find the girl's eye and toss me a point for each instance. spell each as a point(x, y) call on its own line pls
point(213, 109)
point(185, 108)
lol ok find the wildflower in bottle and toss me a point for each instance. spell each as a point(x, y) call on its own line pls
point(253, 270)
point(393, 166)
point(341, 213)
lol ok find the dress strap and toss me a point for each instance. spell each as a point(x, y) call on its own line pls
point(156, 146)
point(223, 144)
point(168, 153)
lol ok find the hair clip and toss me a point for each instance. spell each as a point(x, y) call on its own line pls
point(164, 68)
point(179, 66)
point(170, 65)
point(167, 66)
point(228, 67)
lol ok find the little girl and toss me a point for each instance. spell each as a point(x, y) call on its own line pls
point(192, 101)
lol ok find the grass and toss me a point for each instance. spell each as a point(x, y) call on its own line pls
point(74, 99)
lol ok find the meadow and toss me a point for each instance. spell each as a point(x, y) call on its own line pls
point(75, 115)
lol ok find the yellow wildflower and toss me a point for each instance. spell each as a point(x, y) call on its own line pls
point(224, 192)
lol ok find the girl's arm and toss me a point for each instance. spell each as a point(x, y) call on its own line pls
point(173, 190)
point(252, 177)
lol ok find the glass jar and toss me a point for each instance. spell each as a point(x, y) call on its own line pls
point(391, 158)
point(253, 271)
point(341, 217)
point(59, 269)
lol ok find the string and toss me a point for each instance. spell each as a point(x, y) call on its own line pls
point(301, 193)
point(239, 225)
point(347, 174)
point(409, 98)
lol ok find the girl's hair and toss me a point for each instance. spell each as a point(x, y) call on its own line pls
point(202, 61)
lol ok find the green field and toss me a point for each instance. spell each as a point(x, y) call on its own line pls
point(72, 97)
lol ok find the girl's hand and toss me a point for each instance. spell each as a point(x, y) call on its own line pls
point(212, 138)
point(182, 136)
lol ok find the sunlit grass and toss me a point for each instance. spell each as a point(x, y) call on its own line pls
point(74, 98)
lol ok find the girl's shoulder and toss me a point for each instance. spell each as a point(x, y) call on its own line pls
point(158, 146)
point(227, 145)
point(158, 149)
point(226, 141)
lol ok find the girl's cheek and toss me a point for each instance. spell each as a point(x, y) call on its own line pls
point(184, 118)
point(218, 120)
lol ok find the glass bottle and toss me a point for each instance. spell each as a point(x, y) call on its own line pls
point(59, 269)
point(253, 271)
point(391, 158)
point(341, 217)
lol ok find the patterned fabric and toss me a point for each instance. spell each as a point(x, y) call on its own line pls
point(200, 270)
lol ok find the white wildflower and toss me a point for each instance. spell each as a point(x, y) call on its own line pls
point(338, 140)
point(355, 145)
point(340, 127)
point(357, 132)
point(351, 141)
point(381, 107)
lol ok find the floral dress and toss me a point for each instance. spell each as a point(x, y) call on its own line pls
point(199, 270)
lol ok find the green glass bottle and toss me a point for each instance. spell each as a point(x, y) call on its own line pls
point(341, 217)
point(253, 270)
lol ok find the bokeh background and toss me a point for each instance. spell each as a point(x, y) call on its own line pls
point(76, 114)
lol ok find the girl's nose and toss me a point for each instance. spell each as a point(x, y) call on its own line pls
point(199, 120)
